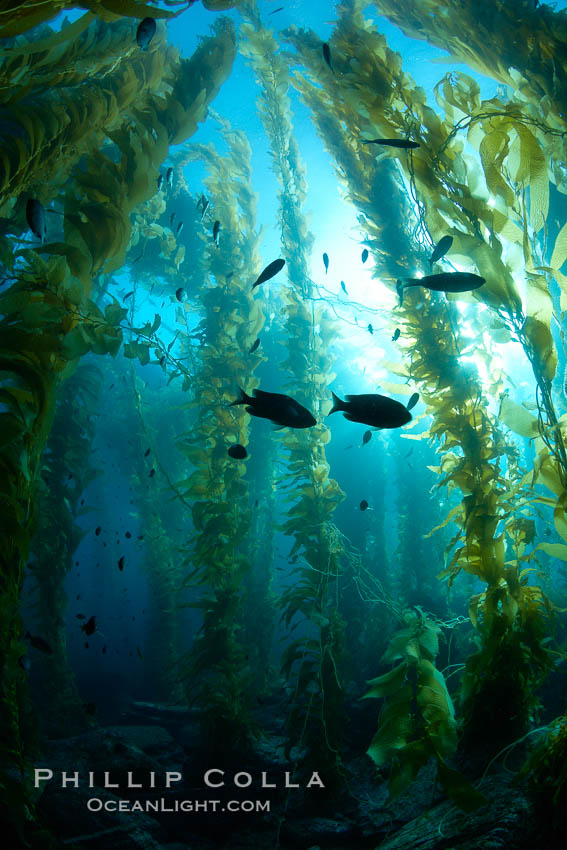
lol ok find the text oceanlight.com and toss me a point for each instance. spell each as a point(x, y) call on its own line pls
point(95, 804)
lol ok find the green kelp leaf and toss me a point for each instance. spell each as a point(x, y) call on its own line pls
point(75, 344)
point(541, 342)
point(387, 684)
point(559, 254)
point(394, 729)
point(458, 788)
point(407, 764)
point(518, 419)
point(555, 550)
point(114, 313)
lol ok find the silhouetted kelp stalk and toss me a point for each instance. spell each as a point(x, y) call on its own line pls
point(66, 472)
point(218, 677)
point(369, 94)
point(49, 319)
point(316, 717)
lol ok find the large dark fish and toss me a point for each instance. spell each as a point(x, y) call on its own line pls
point(392, 143)
point(278, 408)
point(327, 55)
point(35, 215)
point(441, 249)
point(272, 269)
point(363, 505)
point(145, 32)
point(238, 452)
point(375, 410)
point(444, 282)
point(255, 345)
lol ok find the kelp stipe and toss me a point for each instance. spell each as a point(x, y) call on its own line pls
point(314, 663)
point(218, 679)
point(370, 94)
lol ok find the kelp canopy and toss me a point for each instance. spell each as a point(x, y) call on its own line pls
point(144, 282)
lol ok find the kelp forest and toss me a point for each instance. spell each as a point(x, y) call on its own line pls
point(322, 630)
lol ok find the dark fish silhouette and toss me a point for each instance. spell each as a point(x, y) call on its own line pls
point(179, 228)
point(444, 282)
point(364, 255)
point(121, 563)
point(254, 346)
point(343, 287)
point(413, 401)
point(35, 216)
point(370, 329)
point(375, 410)
point(270, 271)
point(128, 295)
point(169, 176)
point(363, 505)
point(326, 262)
point(392, 143)
point(366, 437)
point(38, 643)
point(396, 335)
point(159, 182)
point(238, 452)
point(278, 408)
point(327, 55)
point(145, 32)
point(180, 294)
point(98, 529)
point(441, 249)
point(146, 453)
point(216, 230)
point(90, 626)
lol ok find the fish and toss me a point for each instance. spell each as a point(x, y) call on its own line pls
point(363, 505)
point(121, 563)
point(216, 229)
point(378, 411)
point(364, 255)
point(396, 335)
point(146, 453)
point(279, 9)
point(159, 183)
point(128, 535)
point(238, 452)
point(145, 32)
point(270, 271)
point(440, 249)
point(90, 626)
point(370, 329)
point(38, 643)
point(179, 228)
point(204, 206)
point(278, 408)
point(326, 262)
point(413, 401)
point(366, 437)
point(169, 176)
point(181, 295)
point(343, 287)
point(128, 295)
point(407, 144)
point(171, 218)
point(162, 360)
point(444, 282)
point(151, 473)
point(254, 346)
point(35, 216)
point(327, 55)
point(98, 529)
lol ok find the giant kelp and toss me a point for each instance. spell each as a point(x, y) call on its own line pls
point(48, 316)
point(217, 676)
point(368, 96)
point(315, 720)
